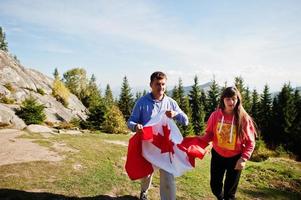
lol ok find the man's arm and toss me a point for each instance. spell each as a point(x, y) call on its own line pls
point(134, 118)
point(180, 116)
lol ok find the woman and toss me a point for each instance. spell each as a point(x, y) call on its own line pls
point(232, 133)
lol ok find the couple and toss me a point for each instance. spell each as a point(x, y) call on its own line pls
point(229, 128)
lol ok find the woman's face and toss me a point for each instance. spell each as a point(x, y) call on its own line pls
point(230, 103)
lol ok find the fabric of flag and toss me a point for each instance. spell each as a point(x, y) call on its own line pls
point(136, 166)
point(161, 145)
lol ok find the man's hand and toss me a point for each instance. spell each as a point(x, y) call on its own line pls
point(138, 128)
point(170, 113)
point(240, 164)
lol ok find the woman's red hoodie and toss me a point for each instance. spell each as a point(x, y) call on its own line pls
point(226, 142)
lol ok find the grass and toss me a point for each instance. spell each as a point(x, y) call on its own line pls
point(97, 170)
point(275, 178)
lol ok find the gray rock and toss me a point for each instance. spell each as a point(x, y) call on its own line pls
point(4, 91)
point(34, 128)
point(26, 82)
point(8, 119)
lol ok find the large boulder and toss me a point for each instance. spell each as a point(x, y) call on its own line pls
point(8, 119)
point(34, 128)
point(17, 83)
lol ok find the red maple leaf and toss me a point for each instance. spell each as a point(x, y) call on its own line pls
point(163, 142)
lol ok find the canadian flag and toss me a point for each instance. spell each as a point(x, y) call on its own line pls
point(161, 145)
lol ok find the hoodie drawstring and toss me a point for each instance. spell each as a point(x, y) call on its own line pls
point(231, 132)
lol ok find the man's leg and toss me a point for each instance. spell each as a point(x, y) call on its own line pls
point(145, 185)
point(167, 186)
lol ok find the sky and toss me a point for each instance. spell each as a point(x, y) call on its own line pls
point(259, 40)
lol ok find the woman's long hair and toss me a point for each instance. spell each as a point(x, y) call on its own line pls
point(241, 116)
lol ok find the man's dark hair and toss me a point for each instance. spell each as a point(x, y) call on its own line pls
point(157, 75)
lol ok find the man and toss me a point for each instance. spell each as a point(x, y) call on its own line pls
point(147, 107)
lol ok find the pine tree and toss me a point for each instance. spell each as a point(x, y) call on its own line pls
point(255, 105)
point(224, 87)
point(245, 93)
point(31, 111)
point(56, 74)
point(16, 59)
point(181, 94)
point(271, 135)
point(175, 94)
point(198, 113)
point(187, 130)
point(287, 114)
point(126, 101)
point(92, 95)
point(295, 143)
point(3, 43)
point(247, 101)
point(96, 105)
point(96, 116)
point(183, 103)
point(265, 114)
point(239, 84)
point(204, 102)
point(212, 98)
point(108, 98)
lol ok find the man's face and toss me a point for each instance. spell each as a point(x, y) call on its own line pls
point(158, 86)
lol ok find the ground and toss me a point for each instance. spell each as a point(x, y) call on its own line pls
point(91, 166)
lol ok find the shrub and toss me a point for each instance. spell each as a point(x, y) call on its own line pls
point(281, 152)
point(10, 87)
point(85, 125)
point(75, 122)
point(41, 91)
point(31, 111)
point(65, 125)
point(261, 152)
point(115, 122)
point(60, 92)
point(95, 118)
point(6, 100)
point(15, 58)
point(50, 124)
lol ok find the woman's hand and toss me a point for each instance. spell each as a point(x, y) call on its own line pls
point(240, 164)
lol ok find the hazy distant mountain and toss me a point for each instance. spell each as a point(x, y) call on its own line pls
point(205, 87)
point(116, 91)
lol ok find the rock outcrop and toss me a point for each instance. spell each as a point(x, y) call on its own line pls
point(18, 82)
